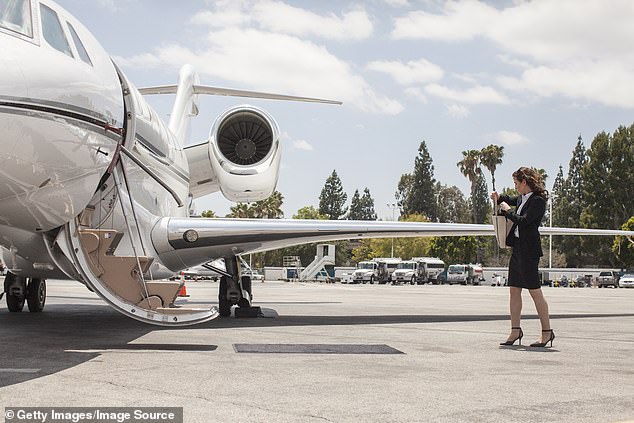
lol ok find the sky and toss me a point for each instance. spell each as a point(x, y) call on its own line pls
point(459, 75)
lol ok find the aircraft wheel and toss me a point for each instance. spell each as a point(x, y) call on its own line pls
point(247, 286)
point(15, 297)
point(224, 306)
point(36, 295)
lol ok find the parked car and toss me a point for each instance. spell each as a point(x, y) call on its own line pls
point(608, 278)
point(255, 275)
point(627, 281)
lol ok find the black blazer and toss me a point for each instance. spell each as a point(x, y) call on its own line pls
point(528, 222)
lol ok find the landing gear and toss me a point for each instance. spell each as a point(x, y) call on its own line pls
point(36, 295)
point(235, 290)
point(15, 289)
point(18, 292)
point(224, 305)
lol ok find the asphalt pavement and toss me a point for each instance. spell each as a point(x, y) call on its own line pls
point(331, 353)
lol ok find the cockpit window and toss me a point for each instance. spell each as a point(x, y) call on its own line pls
point(83, 54)
point(52, 30)
point(15, 15)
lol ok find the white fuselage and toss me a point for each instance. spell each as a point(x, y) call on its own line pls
point(61, 121)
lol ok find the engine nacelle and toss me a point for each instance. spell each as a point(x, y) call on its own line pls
point(241, 158)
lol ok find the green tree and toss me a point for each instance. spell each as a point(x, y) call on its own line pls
point(491, 157)
point(608, 189)
point(240, 210)
point(454, 250)
point(623, 248)
point(332, 198)
point(269, 208)
point(481, 203)
point(208, 213)
point(362, 207)
point(452, 205)
point(568, 205)
point(421, 197)
point(403, 190)
point(309, 213)
point(470, 167)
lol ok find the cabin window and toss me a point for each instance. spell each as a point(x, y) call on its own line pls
point(52, 30)
point(83, 54)
point(15, 15)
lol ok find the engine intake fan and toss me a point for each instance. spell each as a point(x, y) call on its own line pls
point(245, 138)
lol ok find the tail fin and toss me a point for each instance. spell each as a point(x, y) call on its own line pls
point(185, 105)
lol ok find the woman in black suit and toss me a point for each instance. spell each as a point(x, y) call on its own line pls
point(527, 249)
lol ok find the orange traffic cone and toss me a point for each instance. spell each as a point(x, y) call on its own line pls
point(183, 291)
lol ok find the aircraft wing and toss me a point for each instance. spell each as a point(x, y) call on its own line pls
point(185, 242)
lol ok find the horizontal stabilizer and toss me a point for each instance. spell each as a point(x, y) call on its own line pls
point(204, 89)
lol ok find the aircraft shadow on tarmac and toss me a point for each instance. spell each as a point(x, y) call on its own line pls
point(63, 336)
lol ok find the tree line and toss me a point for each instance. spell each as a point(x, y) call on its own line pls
point(596, 192)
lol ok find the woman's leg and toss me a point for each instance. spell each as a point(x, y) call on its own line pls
point(542, 309)
point(515, 307)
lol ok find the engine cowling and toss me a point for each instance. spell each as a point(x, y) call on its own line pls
point(241, 157)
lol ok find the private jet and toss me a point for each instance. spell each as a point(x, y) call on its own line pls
point(95, 187)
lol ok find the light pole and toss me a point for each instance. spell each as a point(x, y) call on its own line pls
point(393, 207)
point(550, 237)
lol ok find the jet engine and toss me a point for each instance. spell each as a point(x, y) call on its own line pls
point(241, 157)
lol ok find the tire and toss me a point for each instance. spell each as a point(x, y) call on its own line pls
point(15, 303)
point(371, 280)
point(413, 282)
point(224, 306)
point(247, 286)
point(36, 295)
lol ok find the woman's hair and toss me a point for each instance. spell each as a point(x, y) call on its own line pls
point(533, 179)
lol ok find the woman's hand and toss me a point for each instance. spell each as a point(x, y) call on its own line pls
point(504, 206)
point(495, 196)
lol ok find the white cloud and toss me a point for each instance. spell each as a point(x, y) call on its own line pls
point(458, 111)
point(460, 21)
point(560, 47)
point(302, 145)
point(416, 93)
point(420, 71)
point(273, 62)
point(396, 3)
point(283, 18)
point(474, 95)
point(508, 138)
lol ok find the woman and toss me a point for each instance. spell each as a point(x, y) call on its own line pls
point(527, 249)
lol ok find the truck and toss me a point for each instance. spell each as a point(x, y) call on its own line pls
point(608, 278)
point(418, 270)
point(385, 268)
point(366, 272)
point(465, 274)
point(379, 270)
point(428, 269)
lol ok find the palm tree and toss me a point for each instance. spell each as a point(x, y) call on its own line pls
point(491, 157)
point(470, 167)
point(240, 210)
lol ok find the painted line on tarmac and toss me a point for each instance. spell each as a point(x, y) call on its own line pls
point(20, 370)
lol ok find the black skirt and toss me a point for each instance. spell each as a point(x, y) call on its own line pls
point(523, 271)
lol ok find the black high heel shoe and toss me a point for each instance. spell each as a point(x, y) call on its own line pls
point(519, 338)
point(550, 339)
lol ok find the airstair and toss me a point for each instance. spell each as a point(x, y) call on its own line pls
point(317, 269)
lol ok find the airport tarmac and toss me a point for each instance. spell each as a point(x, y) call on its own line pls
point(332, 353)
